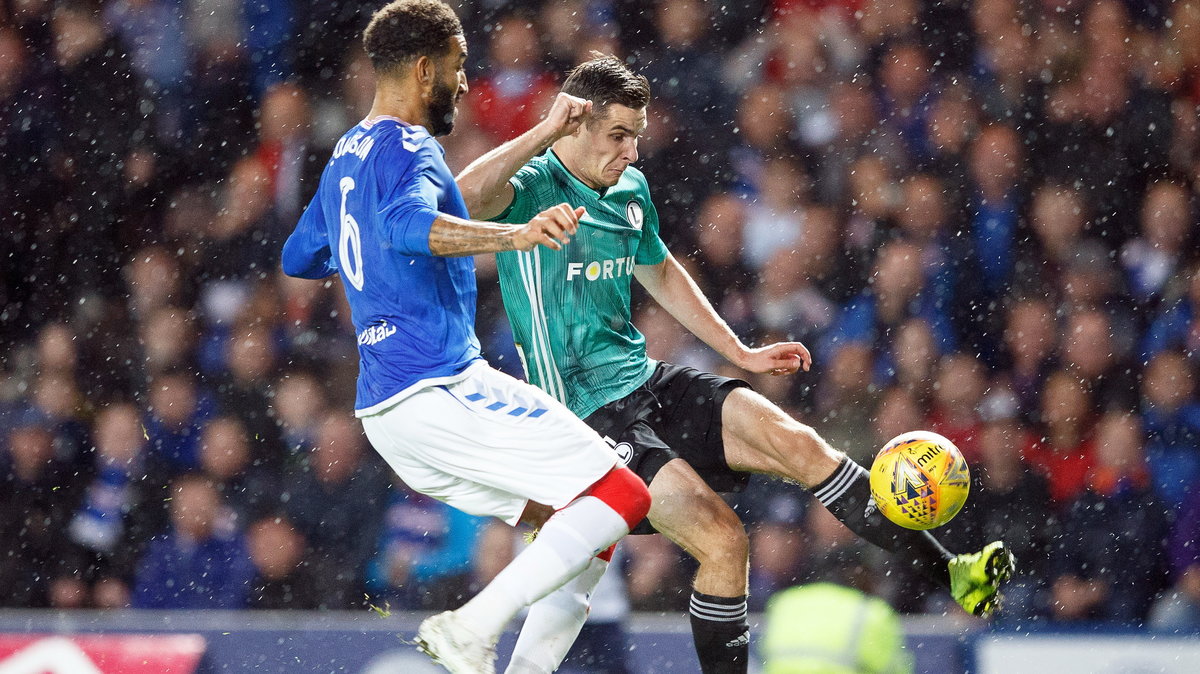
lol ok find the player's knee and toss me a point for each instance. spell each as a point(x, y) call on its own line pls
point(801, 449)
point(623, 491)
point(725, 540)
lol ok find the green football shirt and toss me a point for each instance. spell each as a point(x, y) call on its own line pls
point(569, 309)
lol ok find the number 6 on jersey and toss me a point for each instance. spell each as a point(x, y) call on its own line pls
point(350, 240)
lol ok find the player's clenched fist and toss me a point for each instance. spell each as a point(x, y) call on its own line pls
point(551, 228)
point(565, 115)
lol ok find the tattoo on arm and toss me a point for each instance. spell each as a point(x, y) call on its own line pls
point(454, 237)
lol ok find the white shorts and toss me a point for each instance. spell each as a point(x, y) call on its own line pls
point(488, 443)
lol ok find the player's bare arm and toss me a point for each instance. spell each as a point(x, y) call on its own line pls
point(454, 237)
point(484, 184)
point(672, 287)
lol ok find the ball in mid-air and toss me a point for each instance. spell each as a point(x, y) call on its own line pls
point(920, 480)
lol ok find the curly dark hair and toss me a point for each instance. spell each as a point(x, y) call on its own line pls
point(405, 30)
point(605, 80)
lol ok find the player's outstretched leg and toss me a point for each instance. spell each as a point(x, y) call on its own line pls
point(759, 437)
point(463, 640)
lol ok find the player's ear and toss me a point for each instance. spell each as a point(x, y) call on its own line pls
point(426, 71)
point(584, 123)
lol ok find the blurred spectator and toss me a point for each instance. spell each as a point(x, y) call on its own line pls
point(153, 33)
point(563, 25)
point(765, 129)
point(1171, 415)
point(1030, 341)
point(36, 501)
point(684, 72)
point(1064, 454)
point(1157, 255)
point(1101, 123)
point(282, 578)
point(952, 124)
point(168, 340)
point(1090, 352)
point(124, 505)
point(516, 91)
point(287, 152)
point(916, 358)
point(957, 394)
point(721, 271)
point(153, 280)
point(57, 352)
point(775, 218)
point(906, 94)
point(872, 199)
point(1177, 325)
point(110, 147)
point(243, 241)
point(898, 412)
point(245, 392)
point(424, 555)
point(657, 579)
point(296, 400)
point(1057, 218)
point(200, 561)
point(1004, 76)
point(1178, 609)
point(846, 400)
point(177, 411)
point(996, 203)
point(248, 487)
point(898, 292)
point(1112, 563)
point(946, 258)
point(853, 113)
point(59, 405)
point(336, 502)
point(774, 513)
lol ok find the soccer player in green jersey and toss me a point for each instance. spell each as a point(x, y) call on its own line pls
point(688, 434)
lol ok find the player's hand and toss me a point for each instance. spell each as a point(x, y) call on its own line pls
point(776, 359)
point(551, 228)
point(565, 116)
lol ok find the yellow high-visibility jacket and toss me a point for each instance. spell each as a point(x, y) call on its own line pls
point(830, 629)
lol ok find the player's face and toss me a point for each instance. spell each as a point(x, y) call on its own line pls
point(449, 86)
point(609, 145)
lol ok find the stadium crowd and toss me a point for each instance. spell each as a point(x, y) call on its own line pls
point(981, 217)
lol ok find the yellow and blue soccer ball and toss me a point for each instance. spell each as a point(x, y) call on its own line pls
point(920, 480)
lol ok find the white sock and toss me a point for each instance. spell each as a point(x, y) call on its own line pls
point(565, 544)
point(554, 622)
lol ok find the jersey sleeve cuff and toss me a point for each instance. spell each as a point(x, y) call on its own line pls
point(414, 239)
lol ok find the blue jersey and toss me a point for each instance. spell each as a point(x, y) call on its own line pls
point(414, 313)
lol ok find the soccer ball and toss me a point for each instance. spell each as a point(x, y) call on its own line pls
point(920, 480)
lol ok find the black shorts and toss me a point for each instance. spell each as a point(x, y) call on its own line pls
point(676, 414)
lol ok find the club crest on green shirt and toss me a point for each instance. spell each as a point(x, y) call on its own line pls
point(633, 212)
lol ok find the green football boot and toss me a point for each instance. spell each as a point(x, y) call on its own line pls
point(975, 578)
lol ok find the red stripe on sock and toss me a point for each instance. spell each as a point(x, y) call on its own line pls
point(623, 491)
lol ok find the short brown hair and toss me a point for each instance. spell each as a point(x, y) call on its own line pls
point(605, 80)
point(405, 30)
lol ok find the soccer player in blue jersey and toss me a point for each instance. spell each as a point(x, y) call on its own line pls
point(389, 219)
